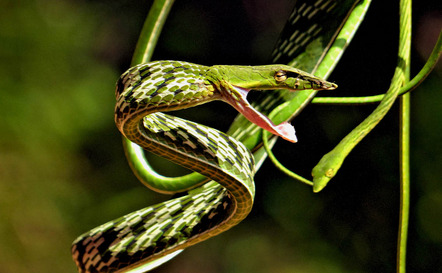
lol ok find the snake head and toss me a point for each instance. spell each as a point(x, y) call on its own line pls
point(279, 76)
point(294, 79)
point(326, 169)
point(239, 80)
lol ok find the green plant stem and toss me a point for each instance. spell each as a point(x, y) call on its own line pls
point(278, 165)
point(404, 181)
point(409, 86)
point(404, 160)
point(151, 31)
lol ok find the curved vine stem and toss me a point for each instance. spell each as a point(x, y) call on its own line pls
point(151, 31)
point(278, 165)
point(409, 86)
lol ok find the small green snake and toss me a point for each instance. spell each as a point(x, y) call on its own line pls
point(142, 93)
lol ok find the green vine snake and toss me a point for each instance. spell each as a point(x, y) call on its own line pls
point(143, 92)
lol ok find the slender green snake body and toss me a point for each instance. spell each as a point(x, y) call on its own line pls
point(142, 93)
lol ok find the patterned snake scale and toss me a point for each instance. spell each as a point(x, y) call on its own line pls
point(142, 93)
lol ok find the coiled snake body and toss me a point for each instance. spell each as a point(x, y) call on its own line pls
point(143, 92)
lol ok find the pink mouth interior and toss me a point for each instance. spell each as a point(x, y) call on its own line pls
point(284, 130)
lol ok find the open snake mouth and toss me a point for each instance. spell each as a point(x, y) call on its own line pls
point(240, 103)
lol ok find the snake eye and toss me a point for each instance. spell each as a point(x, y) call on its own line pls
point(280, 76)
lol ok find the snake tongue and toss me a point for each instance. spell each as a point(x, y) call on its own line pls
point(240, 103)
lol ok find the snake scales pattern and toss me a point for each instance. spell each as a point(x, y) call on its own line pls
point(157, 230)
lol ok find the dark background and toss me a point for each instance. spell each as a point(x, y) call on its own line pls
point(63, 171)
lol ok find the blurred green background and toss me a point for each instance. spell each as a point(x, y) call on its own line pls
point(63, 171)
